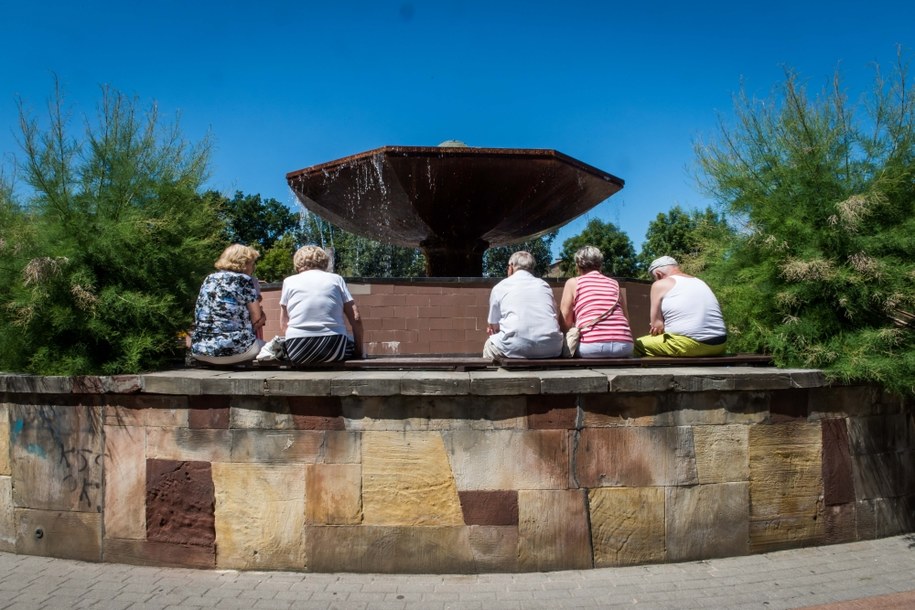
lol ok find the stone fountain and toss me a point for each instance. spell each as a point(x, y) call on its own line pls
point(452, 201)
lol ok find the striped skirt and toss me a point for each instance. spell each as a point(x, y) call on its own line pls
point(327, 348)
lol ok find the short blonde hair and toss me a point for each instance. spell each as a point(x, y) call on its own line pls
point(310, 257)
point(236, 258)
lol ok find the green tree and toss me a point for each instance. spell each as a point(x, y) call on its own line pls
point(687, 236)
point(108, 250)
point(495, 260)
point(253, 221)
point(822, 273)
point(619, 254)
point(275, 264)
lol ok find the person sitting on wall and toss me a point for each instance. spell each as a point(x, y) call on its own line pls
point(594, 302)
point(685, 316)
point(313, 304)
point(228, 314)
point(522, 315)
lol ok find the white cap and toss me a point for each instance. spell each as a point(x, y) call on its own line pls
point(664, 261)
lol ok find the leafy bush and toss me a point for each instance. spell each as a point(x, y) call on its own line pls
point(104, 258)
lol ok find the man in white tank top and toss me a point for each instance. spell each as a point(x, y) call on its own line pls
point(686, 318)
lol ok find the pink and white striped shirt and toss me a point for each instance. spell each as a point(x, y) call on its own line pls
point(594, 294)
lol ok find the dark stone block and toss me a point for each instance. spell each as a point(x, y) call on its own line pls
point(490, 507)
point(838, 480)
point(789, 405)
point(552, 411)
point(180, 503)
point(316, 412)
point(145, 553)
point(208, 412)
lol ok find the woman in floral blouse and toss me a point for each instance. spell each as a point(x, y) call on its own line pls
point(228, 313)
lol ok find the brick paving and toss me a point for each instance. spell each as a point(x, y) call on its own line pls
point(873, 574)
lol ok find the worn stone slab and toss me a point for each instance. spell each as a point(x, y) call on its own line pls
point(490, 507)
point(261, 413)
point(553, 530)
point(387, 549)
point(675, 409)
point(183, 444)
point(494, 548)
point(573, 382)
point(627, 525)
point(708, 521)
point(878, 475)
point(367, 383)
point(56, 457)
point(260, 516)
point(35, 384)
point(844, 401)
point(179, 502)
point(894, 516)
point(638, 380)
point(104, 384)
point(434, 383)
point(236, 383)
point(181, 382)
point(316, 412)
point(838, 480)
point(722, 453)
point(789, 405)
point(64, 534)
point(125, 482)
point(300, 383)
point(276, 446)
point(333, 494)
point(553, 412)
point(410, 413)
point(145, 553)
point(504, 383)
point(341, 447)
point(840, 523)
point(635, 457)
point(806, 378)
point(786, 485)
point(407, 480)
point(4, 440)
point(7, 522)
point(527, 459)
point(165, 411)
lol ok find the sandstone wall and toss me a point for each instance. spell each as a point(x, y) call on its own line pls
point(447, 472)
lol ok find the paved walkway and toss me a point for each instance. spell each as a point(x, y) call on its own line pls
point(840, 576)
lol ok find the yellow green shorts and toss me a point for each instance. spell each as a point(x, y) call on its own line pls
point(675, 346)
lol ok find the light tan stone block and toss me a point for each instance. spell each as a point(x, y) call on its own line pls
point(7, 522)
point(722, 453)
point(627, 525)
point(276, 446)
point(494, 547)
point(260, 516)
point(553, 531)
point(4, 440)
point(407, 480)
point(707, 521)
point(417, 550)
point(635, 457)
point(333, 494)
point(64, 534)
point(509, 459)
point(188, 445)
point(125, 483)
point(786, 485)
point(56, 456)
point(341, 447)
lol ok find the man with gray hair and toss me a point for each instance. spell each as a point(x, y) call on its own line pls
point(522, 315)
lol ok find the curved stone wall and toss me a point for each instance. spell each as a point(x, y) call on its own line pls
point(447, 472)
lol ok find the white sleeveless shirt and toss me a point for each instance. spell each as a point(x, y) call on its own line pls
point(691, 309)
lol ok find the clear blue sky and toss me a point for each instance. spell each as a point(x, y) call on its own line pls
point(626, 87)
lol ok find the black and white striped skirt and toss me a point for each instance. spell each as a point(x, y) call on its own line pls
point(327, 348)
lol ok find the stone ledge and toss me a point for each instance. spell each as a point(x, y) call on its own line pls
point(496, 382)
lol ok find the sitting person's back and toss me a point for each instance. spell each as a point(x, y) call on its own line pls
point(522, 315)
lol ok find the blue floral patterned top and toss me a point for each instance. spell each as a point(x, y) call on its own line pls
point(222, 324)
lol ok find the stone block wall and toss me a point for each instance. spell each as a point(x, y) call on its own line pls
point(434, 316)
point(440, 472)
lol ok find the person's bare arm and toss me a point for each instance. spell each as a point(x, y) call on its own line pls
point(258, 317)
point(567, 304)
point(658, 290)
point(284, 320)
point(355, 323)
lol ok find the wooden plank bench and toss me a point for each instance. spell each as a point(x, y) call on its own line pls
point(470, 363)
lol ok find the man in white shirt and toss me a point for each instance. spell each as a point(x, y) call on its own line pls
point(522, 315)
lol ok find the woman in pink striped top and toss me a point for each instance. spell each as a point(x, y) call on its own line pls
point(588, 297)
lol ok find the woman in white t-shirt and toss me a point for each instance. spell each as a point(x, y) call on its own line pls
point(313, 305)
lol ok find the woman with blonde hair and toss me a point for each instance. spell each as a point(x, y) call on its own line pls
point(228, 313)
point(595, 304)
point(313, 305)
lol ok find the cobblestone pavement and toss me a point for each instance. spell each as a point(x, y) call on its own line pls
point(837, 577)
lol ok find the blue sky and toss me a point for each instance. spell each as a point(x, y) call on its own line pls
point(625, 87)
